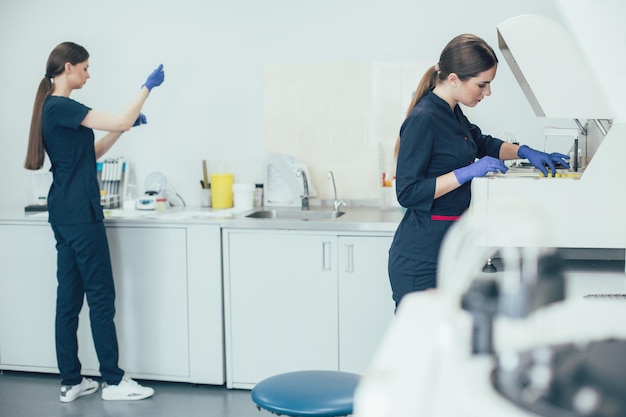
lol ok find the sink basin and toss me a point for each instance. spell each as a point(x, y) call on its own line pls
point(286, 214)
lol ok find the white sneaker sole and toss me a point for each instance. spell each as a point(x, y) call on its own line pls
point(81, 394)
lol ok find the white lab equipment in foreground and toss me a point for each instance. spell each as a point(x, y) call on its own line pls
point(439, 360)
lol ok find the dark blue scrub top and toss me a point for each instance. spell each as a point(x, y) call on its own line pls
point(434, 140)
point(74, 196)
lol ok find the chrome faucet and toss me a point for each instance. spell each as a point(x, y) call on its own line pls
point(336, 203)
point(305, 195)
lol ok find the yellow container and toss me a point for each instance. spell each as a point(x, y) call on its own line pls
point(222, 190)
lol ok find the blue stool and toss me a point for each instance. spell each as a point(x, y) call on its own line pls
point(307, 393)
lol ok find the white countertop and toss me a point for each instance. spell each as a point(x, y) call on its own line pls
point(362, 219)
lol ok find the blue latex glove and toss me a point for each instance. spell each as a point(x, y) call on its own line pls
point(540, 159)
point(141, 120)
point(155, 79)
point(480, 168)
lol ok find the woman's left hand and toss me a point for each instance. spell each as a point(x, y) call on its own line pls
point(540, 159)
point(141, 120)
point(155, 78)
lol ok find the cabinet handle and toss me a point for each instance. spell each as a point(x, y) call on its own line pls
point(326, 264)
point(350, 258)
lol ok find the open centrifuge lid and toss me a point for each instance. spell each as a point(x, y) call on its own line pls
point(551, 69)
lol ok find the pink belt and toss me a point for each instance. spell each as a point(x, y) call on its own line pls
point(445, 218)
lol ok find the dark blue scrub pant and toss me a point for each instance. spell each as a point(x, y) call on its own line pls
point(409, 275)
point(84, 268)
point(418, 270)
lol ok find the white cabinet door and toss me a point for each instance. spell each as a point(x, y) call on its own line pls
point(27, 296)
point(150, 270)
point(206, 317)
point(281, 304)
point(28, 287)
point(168, 285)
point(366, 306)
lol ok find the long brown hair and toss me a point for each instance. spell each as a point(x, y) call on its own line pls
point(60, 55)
point(465, 55)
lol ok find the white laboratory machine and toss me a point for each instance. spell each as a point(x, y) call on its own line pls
point(585, 209)
point(156, 187)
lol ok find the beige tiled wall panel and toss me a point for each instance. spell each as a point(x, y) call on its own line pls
point(343, 117)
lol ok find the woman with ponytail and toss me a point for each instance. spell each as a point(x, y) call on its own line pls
point(439, 152)
point(63, 129)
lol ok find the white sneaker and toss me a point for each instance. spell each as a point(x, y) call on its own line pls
point(127, 389)
point(70, 392)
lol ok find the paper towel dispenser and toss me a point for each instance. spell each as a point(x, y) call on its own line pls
point(282, 185)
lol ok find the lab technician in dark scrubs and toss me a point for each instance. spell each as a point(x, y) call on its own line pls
point(439, 152)
point(63, 128)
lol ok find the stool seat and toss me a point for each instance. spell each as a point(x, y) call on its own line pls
point(307, 393)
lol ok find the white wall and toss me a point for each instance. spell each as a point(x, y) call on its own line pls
point(598, 27)
point(214, 52)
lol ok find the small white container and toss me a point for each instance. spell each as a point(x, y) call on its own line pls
point(389, 197)
point(243, 196)
point(161, 204)
point(205, 197)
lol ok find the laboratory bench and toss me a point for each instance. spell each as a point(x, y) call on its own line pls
point(210, 296)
